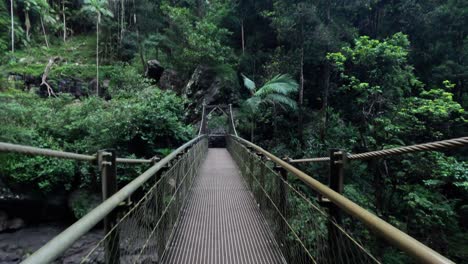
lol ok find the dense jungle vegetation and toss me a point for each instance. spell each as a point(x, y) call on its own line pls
point(303, 77)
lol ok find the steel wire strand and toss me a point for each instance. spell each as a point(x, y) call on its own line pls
point(315, 249)
point(148, 217)
point(436, 145)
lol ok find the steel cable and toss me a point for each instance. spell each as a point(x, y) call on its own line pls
point(436, 145)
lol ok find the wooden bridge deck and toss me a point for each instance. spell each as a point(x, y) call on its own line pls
point(221, 222)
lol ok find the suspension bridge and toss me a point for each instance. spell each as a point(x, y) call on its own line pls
point(222, 199)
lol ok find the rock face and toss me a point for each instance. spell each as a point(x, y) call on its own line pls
point(154, 70)
point(16, 246)
point(170, 80)
point(71, 85)
point(17, 205)
point(205, 86)
point(7, 224)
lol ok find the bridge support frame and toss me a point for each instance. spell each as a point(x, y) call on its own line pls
point(108, 168)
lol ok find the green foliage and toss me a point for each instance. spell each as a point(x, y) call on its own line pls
point(131, 123)
point(198, 40)
point(98, 7)
point(4, 23)
point(376, 72)
point(363, 90)
point(276, 91)
point(83, 201)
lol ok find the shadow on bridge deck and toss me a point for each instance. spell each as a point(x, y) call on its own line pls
point(221, 222)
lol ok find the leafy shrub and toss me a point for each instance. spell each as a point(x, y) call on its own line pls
point(133, 124)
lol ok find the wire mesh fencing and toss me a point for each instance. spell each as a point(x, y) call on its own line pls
point(303, 229)
point(145, 225)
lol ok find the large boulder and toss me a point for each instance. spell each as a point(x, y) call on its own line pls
point(205, 86)
point(170, 80)
point(154, 70)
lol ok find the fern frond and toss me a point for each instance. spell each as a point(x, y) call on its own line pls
point(249, 84)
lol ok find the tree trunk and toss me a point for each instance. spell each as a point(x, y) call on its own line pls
point(122, 19)
point(44, 32)
point(275, 124)
point(325, 95)
point(12, 28)
point(27, 23)
point(325, 82)
point(242, 36)
point(252, 127)
point(97, 53)
point(140, 45)
point(200, 8)
point(301, 84)
point(47, 69)
point(64, 22)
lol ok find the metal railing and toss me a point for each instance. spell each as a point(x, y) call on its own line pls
point(420, 252)
point(28, 150)
point(304, 230)
point(107, 211)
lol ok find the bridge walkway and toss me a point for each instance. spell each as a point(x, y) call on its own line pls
point(221, 222)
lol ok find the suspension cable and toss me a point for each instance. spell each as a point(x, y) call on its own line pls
point(436, 145)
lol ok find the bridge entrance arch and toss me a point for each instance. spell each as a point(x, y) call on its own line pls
point(216, 124)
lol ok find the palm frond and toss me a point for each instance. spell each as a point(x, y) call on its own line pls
point(106, 12)
point(280, 84)
point(283, 101)
point(253, 103)
point(249, 84)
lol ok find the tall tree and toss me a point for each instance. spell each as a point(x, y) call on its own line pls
point(98, 7)
point(64, 19)
point(46, 17)
point(12, 27)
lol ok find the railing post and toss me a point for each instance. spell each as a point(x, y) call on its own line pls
point(108, 168)
point(282, 206)
point(204, 121)
point(335, 181)
point(261, 178)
